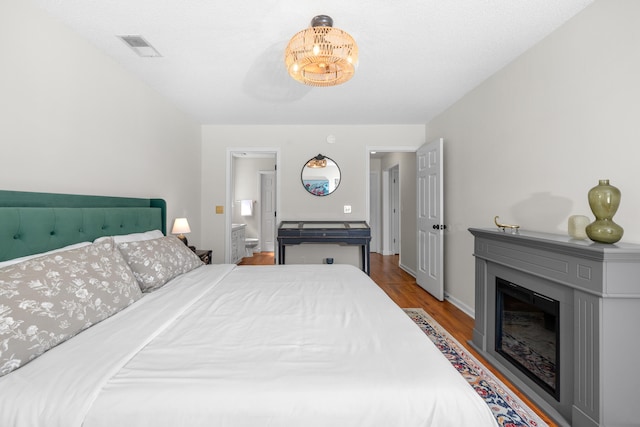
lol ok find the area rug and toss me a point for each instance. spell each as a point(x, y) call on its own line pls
point(508, 409)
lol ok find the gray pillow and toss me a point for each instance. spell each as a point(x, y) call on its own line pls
point(47, 300)
point(155, 262)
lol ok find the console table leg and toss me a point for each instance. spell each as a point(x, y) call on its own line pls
point(368, 250)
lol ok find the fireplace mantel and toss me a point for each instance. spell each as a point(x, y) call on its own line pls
point(598, 286)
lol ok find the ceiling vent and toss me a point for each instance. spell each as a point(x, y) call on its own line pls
point(140, 46)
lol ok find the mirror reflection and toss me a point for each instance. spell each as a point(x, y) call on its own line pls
point(320, 175)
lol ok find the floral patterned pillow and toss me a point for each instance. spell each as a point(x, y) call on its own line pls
point(155, 262)
point(47, 300)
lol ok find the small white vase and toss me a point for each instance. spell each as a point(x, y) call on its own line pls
point(578, 226)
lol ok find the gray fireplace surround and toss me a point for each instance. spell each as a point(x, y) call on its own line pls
point(598, 287)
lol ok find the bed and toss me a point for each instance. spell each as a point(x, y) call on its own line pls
point(212, 345)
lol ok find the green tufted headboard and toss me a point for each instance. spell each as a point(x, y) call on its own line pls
point(31, 223)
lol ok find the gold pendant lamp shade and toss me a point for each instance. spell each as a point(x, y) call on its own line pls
point(318, 161)
point(321, 55)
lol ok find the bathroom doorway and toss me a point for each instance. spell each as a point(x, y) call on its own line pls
point(251, 200)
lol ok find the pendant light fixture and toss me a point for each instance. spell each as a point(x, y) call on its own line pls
point(321, 55)
point(318, 161)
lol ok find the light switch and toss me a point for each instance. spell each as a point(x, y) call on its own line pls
point(347, 208)
point(219, 209)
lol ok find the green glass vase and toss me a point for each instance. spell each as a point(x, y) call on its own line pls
point(604, 200)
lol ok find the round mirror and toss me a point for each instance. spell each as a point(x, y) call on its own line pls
point(320, 176)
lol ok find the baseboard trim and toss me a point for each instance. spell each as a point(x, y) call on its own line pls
point(459, 304)
point(408, 270)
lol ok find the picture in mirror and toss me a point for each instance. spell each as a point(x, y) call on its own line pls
point(320, 175)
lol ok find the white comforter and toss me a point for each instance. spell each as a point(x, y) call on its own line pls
point(247, 346)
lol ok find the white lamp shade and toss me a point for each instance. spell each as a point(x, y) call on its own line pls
point(180, 226)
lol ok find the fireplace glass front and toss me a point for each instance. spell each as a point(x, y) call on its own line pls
point(527, 333)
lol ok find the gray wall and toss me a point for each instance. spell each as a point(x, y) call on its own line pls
point(529, 142)
point(73, 121)
point(296, 145)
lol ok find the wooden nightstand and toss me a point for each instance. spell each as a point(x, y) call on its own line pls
point(205, 255)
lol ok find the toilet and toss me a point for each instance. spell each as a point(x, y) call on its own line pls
point(250, 244)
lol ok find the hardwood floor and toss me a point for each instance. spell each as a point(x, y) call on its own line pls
point(402, 289)
point(258, 258)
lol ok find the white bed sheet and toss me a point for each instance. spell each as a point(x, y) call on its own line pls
point(254, 346)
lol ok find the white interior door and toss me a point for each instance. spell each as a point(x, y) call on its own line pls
point(268, 211)
point(430, 216)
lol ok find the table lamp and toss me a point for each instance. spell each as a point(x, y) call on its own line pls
point(181, 227)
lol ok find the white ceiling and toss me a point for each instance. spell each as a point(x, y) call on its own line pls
point(222, 61)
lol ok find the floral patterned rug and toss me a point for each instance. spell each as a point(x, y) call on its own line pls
point(508, 409)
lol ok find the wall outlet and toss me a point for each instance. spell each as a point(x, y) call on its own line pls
point(347, 209)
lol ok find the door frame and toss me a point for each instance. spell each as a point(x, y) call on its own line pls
point(229, 190)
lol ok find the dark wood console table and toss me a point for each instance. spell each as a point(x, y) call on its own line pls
point(337, 232)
